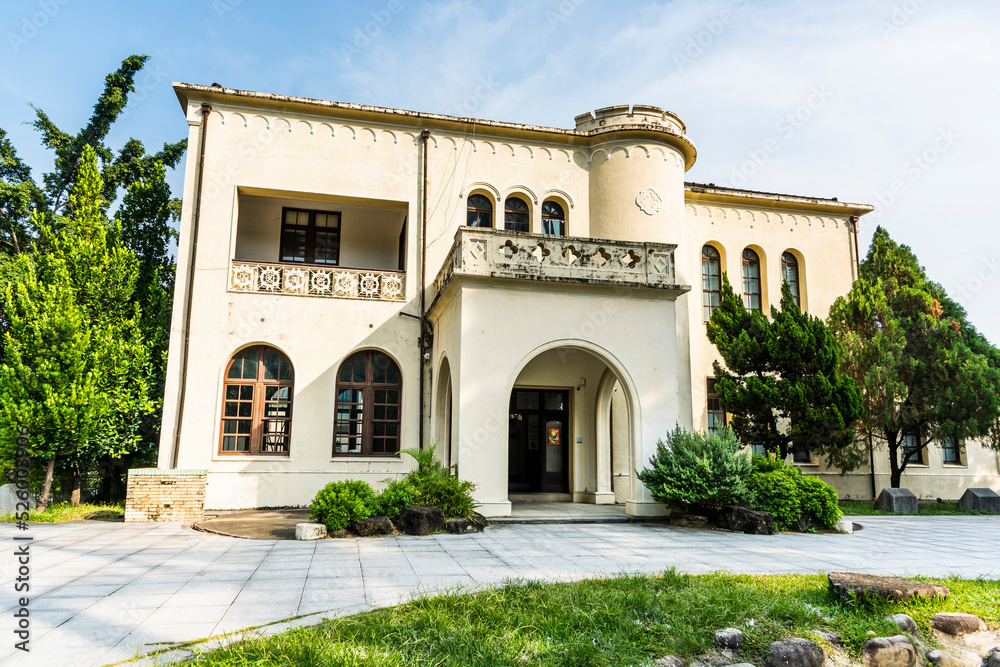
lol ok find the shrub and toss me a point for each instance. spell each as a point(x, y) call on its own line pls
point(695, 471)
point(790, 496)
point(437, 485)
point(819, 500)
point(776, 492)
point(339, 504)
point(395, 496)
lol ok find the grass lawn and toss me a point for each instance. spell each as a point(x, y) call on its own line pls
point(927, 508)
point(629, 620)
point(59, 512)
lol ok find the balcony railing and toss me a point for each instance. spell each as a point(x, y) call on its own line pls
point(522, 256)
point(296, 279)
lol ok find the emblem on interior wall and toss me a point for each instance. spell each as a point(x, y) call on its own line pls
point(648, 201)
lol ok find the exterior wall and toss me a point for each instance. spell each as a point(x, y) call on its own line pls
point(165, 495)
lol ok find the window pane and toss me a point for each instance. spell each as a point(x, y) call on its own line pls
point(293, 245)
point(526, 400)
point(554, 401)
point(232, 391)
point(231, 409)
point(246, 392)
point(250, 364)
point(272, 359)
point(327, 249)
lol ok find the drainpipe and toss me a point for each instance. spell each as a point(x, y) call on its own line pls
point(189, 292)
point(857, 250)
point(424, 136)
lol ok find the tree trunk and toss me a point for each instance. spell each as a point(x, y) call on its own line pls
point(74, 496)
point(895, 467)
point(50, 468)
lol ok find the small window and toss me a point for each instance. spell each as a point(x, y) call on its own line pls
point(480, 212)
point(310, 237)
point(801, 455)
point(257, 403)
point(515, 215)
point(790, 274)
point(913, 452)
point(716, 415)
point(751, 280)
point(711, 281)
point(369, 403)
point(553, 219)
point(950, 452)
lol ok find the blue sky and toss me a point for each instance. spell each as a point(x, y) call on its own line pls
point(889, 103)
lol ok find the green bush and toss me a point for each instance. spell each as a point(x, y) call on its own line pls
point(776, 492)
point(698, 472)
point(339, 504)
point(437, 485)
point(791, 496)
point(395, 496)
point(819, 500)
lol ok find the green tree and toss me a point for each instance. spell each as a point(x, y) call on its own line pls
point(781, 380)
point(921, 368)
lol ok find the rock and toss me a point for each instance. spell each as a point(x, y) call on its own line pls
point(895, 651)
point(829, 637)
point(9, 499)
point(688, 520)
point(479, 520)
point(897, 501)
point(940, 658)
point(992, 658)
point(743, 520)
point(461, 526)
point(795, 652)
point(669, 661)
point(310, 531)
point(340, 533)
point(984, 500)
point(420, 520)
point(848, 585)
point(730, 639)
point(957, 625)
point(844, 527)
point(376, 525)
point(904, 623)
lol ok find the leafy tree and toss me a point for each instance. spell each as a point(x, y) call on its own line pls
point(922, 369)
point(76, 355)
point(781, 380)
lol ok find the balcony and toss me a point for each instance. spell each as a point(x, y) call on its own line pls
point(298, 280)
point(521, 256)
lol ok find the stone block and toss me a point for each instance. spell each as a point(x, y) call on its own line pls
point(848, 585)
point(940, 658)
point(904, 623)
point(957, 625)
point(895, 651)
point(795, 652)
point(897, 501)
point(844, 527)
point(420, 520)
point(992, 658)
point(376, 525)
point(669, 661)
point(310, 531)
point(9, 499)
point(462, 526)
point(983, 500)
point(730, 639)
point(743, 520)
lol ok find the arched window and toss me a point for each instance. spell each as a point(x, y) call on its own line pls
point(553, 219)
point(711, 281)
point(257, 406)
point(369, 389)
point(751, 280)
point(480, 212)
point(790, 274)
point(515, 215)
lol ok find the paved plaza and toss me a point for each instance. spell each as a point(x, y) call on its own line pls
point(104, 592)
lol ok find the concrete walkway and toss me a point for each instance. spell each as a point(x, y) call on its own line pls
point(106, 592)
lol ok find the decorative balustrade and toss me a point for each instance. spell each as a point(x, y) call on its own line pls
point(302, 280)
point(518, 255)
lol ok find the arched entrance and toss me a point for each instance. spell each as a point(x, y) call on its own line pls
point(444, 431)
point(571, 414)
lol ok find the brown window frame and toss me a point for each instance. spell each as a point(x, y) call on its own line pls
point(368, 421)
point(789, 267)
point(549, 218)
point(473, 211)
point(258, 402)
point(747, 284)
point(310, 249)
point(708, 308)
point(712, 397)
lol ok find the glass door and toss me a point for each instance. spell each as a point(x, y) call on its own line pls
point(539, 441)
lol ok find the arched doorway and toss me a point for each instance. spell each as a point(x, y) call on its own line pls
point(443, 416)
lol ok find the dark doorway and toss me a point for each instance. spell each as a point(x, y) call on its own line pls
point(538, 459)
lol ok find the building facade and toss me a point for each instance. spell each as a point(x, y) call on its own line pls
point(354, 281)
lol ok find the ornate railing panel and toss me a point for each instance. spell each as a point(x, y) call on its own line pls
point(315, 281)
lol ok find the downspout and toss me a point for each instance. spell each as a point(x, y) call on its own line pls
point(189, 292)
point(857, 250)
point(424, 136)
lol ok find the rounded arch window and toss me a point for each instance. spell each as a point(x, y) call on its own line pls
point(515, 215)
point(480, 212)
point(369, 403)
point(553, 219)
point(711, 280)
point(790, 274)
point(751, 280)
point(257, 403)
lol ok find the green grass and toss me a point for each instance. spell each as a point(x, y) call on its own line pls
point(629, 620)
point(60, 512)
point(927, 508)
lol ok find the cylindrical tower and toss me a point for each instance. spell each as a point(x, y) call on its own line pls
point(637, 170)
